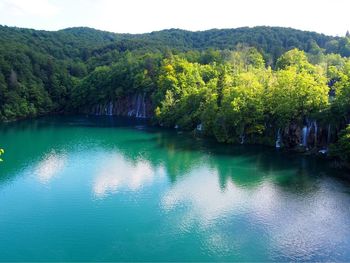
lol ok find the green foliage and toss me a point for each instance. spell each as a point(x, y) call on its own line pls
point(294, 95)
point(237, 97)
point(1, 153)
point(242, 110)
point(341, 149)
point(244, 82)
point(181, 92)
point(43, 72)
point(341, 104)
point(294, 58)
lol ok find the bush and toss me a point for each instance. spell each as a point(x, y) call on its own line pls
point(341, 148)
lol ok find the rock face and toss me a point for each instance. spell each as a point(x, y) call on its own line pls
point(310, 135)
point(138, 105)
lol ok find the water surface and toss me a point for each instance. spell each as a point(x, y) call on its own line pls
point(103, 189)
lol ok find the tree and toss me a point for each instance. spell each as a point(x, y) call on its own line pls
point(295, 95)
point(243, 104)
point(1, 153)
point(295, 58)
point(341, 103)
point(180, 92)
point(341, 148)
point(299, 89)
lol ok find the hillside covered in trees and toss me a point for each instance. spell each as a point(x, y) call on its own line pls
point(259, 85)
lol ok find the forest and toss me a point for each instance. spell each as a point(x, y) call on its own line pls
point(261, 85)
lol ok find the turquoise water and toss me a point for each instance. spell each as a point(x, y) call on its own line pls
point(109, 189)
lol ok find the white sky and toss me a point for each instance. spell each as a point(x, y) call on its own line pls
point(331, 17)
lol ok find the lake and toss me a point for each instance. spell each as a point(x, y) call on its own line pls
point(111, 189)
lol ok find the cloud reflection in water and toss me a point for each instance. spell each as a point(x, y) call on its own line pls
point(293, 224)
point(116, 173)
point(49, 167)
point(208, 201)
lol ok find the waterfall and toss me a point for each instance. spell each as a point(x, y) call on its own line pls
point(278, 139)
point(140, 107)
point(110, 109)
point(130, 113)
point(242, 138)
point(144, 105)
point(132, 106)
point(98, 110)
point(324, 150)
point(105, 110)
point(305, 134)
point(315, 131)
point(311, 126)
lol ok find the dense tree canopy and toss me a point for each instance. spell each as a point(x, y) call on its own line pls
point(236, 84)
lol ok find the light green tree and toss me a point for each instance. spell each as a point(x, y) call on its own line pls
point(244, 104)
point(299, 89)
point(180, 94)
point(341, 104)
point(341, 148)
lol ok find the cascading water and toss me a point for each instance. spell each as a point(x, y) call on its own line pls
point(144, 105)
point(242, 138)
point(305, 133)
point(135, 106)
point(278, 139)
point(130, 113)
point(98, 110)
point(141, 106)
point(110, 109)
point(310, 126)
point(324, 150)
point(315, 133)
point(138, 105)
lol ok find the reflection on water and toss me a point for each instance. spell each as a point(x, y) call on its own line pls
point(208, 201)
point(116, 172)
point(49, 167)
point(121, 193)
point(297, 227)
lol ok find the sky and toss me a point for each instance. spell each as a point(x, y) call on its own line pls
point(331, 17)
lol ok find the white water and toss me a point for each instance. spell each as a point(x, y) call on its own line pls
point(315, 133)
point(305, 134)
point(278, 139)
point(140, 106)
point(242, 138)
point(136, 109)
point(110, 109)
